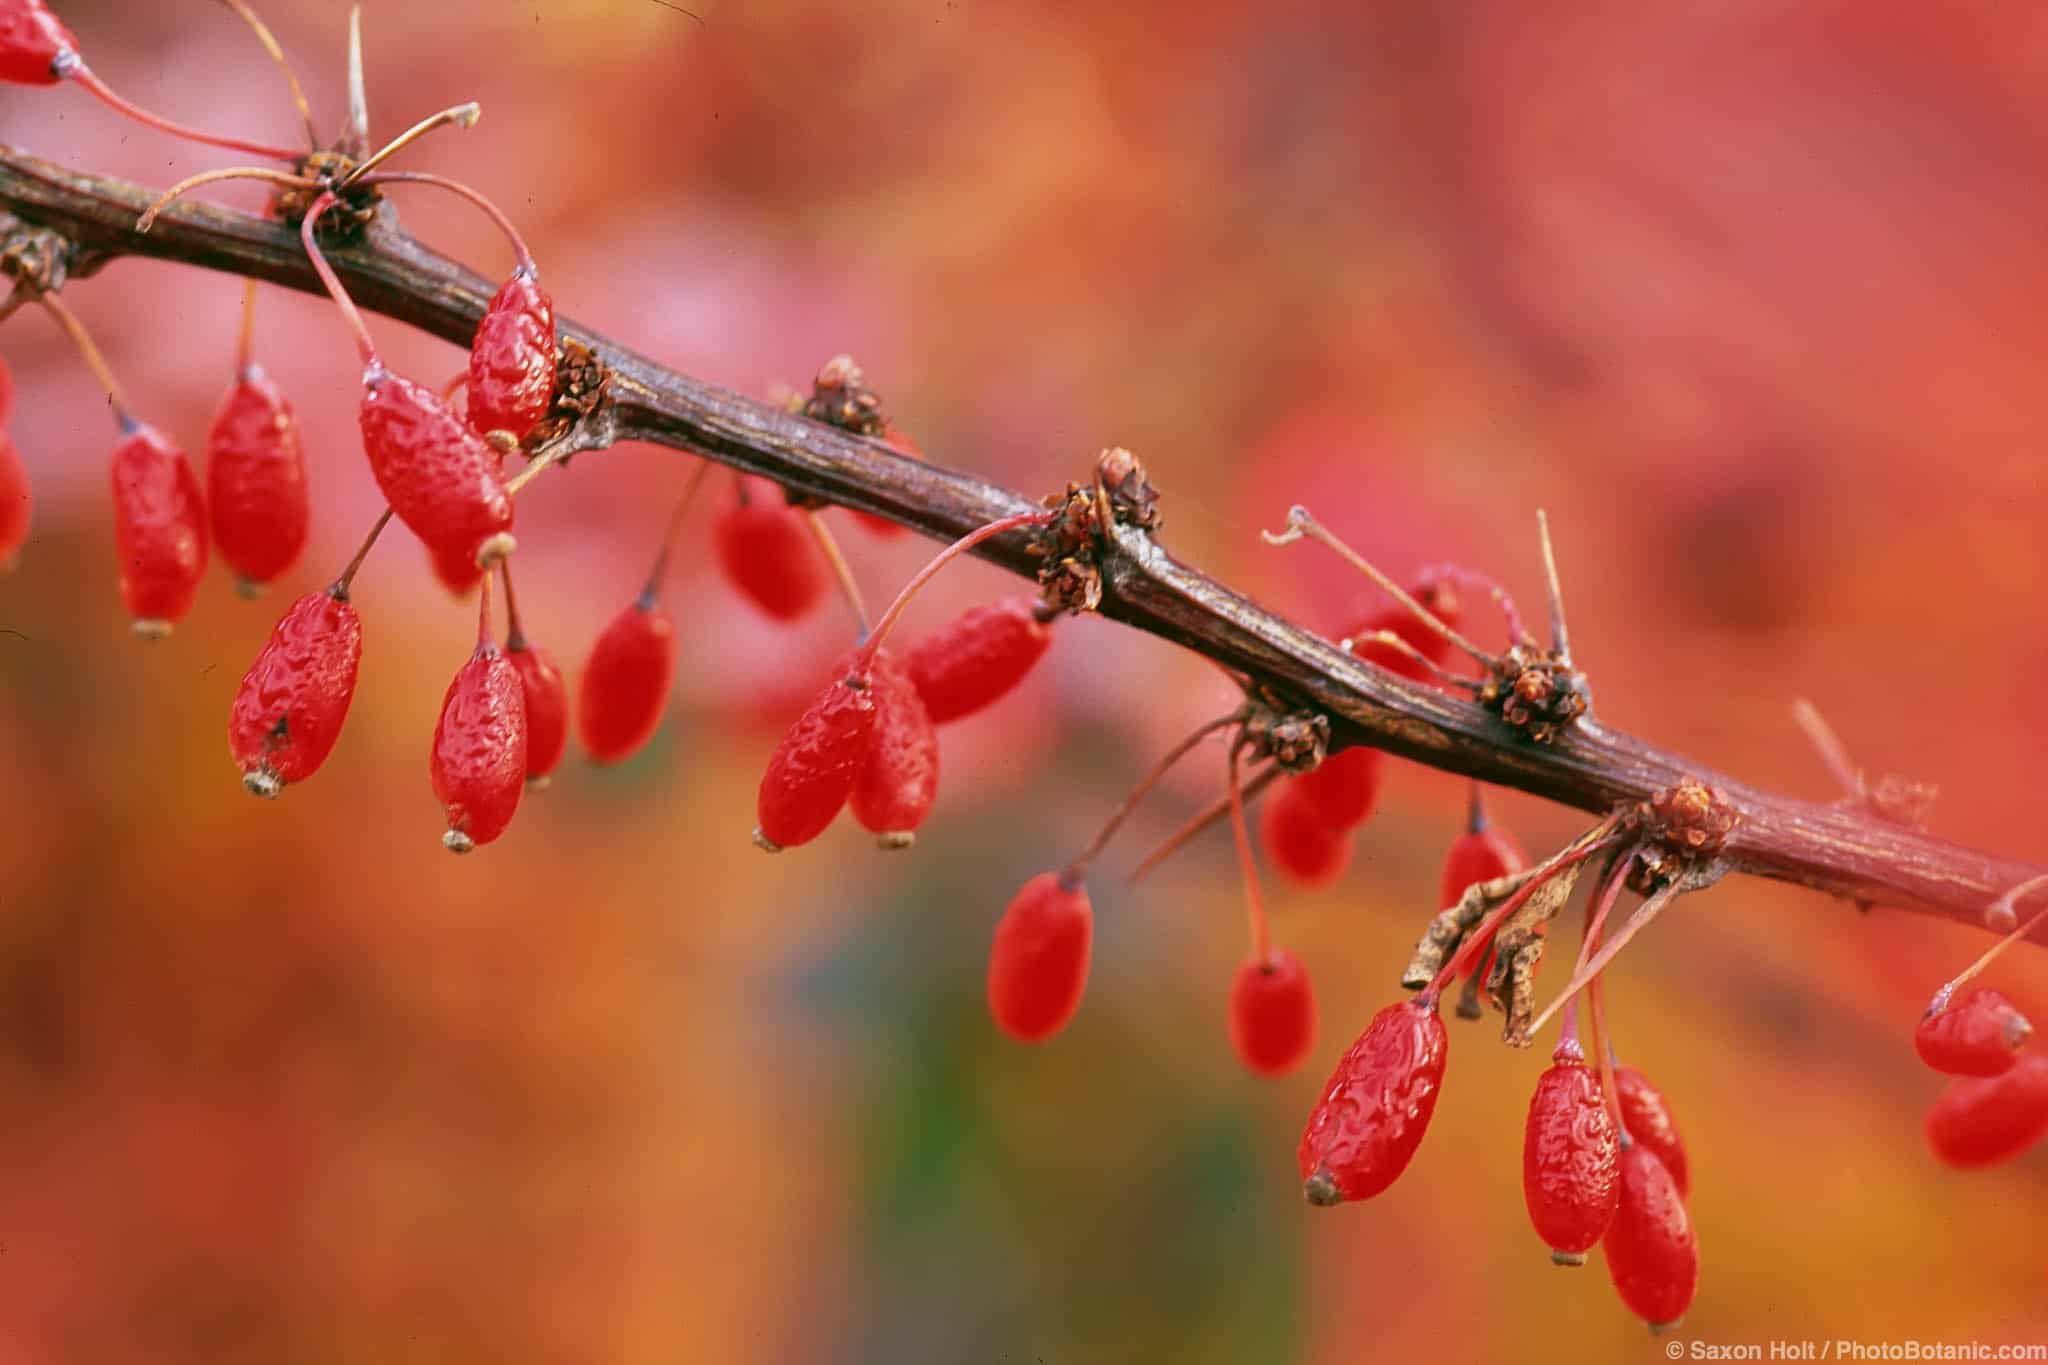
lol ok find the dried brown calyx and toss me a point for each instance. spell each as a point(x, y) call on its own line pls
point(355, 208)
point(1295, 740)
point(1133, 501)
point(1681, 828)
point(35, 258)
point(1535, 691)
point(1071, 543)
point(582, 387)
point(840, 397)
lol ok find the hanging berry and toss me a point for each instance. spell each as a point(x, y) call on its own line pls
point(1570, 1158)
point(1373, 1113)
point(1646, 1118)
point(1344, 788)
point(1653, 1256)
point(1299, 841)
point(256, 471)
point(479, 758)
point(159, 528)
point(977, 657)
point(766, 552)
point(1038, 965)
point(1482, 853)
point(1976, 1035)
point(812, 771)
point(1272, 1013)
point(546, 695)
point(626, 683)
point(31, 40)
point(17, 503)
point(899, 781)
point(289, 710)
point(1983, 1120)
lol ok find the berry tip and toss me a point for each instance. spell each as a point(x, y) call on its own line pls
point(1321, 1189)
point(455, 841)
point(895, 840)
point(248, 589)
point(764, 843)
point(262, 782)
point(151, 628)
point(541, 783)
point(1568, 1258)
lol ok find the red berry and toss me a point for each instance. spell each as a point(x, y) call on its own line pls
point(1647, 1117)
point(290, 707)
point(1433, 590)
point(881, 527)
point(6, 393)
point(1306, 850)
point(767, 554)
point(1570, 1159)
point(31, 39)
point(1272, 1014)
point(977, 657)
point(1364, 1130)
point(458, 570)
point(512, 360)
point(1479, 855)
point(1976, 1035)
point(1344, 787)
point(812, 772)
point(900, 779)
point(626, 683)
point(256, 479)
point(159, 528)
point(17, 503)
point(1038, 965)
point(439, 476)
point(1652, 1255)
point(547, 709)
point(479, 760)
point(1984, 1120)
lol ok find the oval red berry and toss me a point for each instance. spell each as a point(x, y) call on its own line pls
point(1570, 1160)
point(159, 529)
point(1272, 1014)
point(17, 503)
point(1646, 1116)
point(1984, 1120)
point(439, 476)
point(1977, 1034)
point(766, 553)
point(1305, 849)
point(479, 758)
point(977, 657)
point(547, 709)
point(1653, 1256)
point(256, 479)
point(899, 781)
point(512, 359)
point(1344, 788)
point(31, 38)
point(289, 710)
point(1038, 965)
point(626, 683)
point(811, 773)
point(1373, 1114)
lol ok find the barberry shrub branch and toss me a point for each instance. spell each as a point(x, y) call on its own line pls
point(59, 225)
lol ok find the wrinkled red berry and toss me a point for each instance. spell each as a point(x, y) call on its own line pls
point(1038, 965)
point(256, 479)
point(547, 709)
point(17, 503)
point(1373, 1113)
point(1344, 787)
point(1305, 849)
point(1570, 1160)
point(899, 781)
point(290, 707)
point(159, 528)
point(882, 528)
point(625, 685)
point(978, 656)
point(1272, 1013)
point(439, 476)
point(766, 553)
point(1647, 1117)
point(512, 360)
point(1984, 1120)
point(1978, 1034)
point(812, 771)
point(31, 38)
point(1653, 1256)
point(479, 759)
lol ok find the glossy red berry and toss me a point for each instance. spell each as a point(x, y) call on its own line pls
point(1272, 1014)
point(1373, 1113)
point(290, 707)
point(1038, 965)
point(899, 780)
point(159, 528)
point(1301, 845)
point(17, 503)
point(977, 657)
point(766, 553)
point(1344, 787)
point(1647, 1118)
point(479, 759)
point(1653, 1256)
point(626, 683)
point(31, 40)
point(812, 771)
point(457, 570)
point(881, 527)
point(1984, 1120)
point(439, 476)
point(547, 709)
point(256, 480)
point(1977, 1034)
point(1571, 1157)
point(512, 360)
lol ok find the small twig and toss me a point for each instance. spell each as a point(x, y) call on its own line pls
point(1300, 523)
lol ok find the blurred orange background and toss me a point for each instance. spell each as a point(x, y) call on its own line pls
point(1752, 298)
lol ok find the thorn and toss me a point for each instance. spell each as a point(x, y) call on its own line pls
point(1560, 638)
point(355, 133)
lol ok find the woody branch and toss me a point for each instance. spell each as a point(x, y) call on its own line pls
point(1846, 850)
